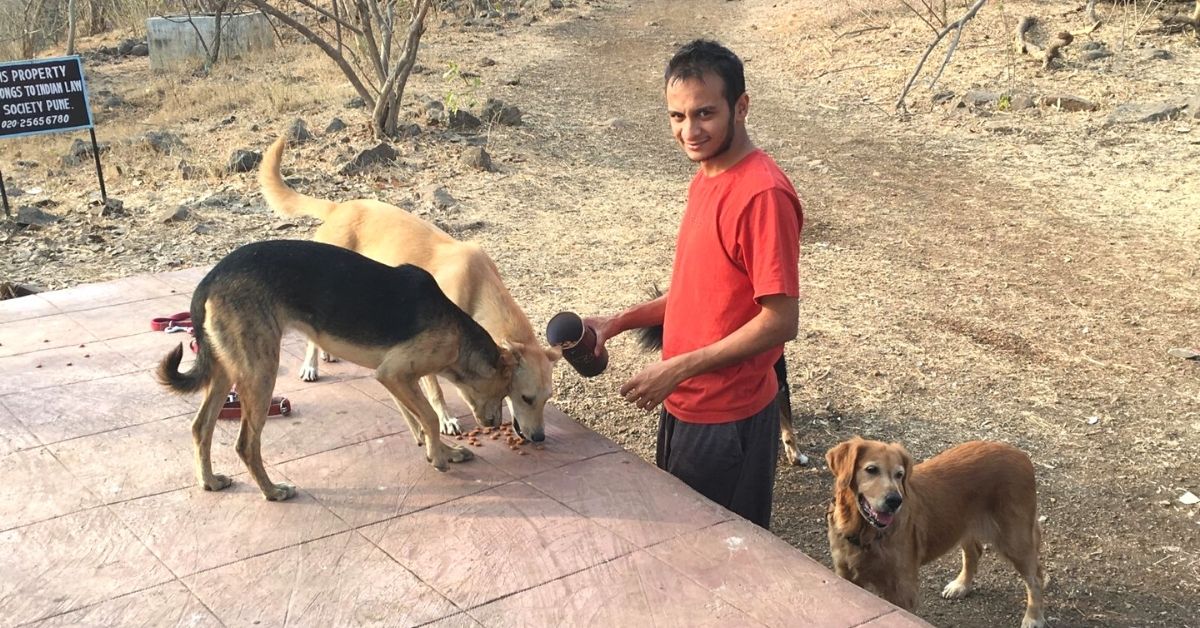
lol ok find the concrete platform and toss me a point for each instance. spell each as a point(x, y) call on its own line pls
point(101, 523)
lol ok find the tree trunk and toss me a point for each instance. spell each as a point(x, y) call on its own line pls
point(387, 109)
point(71, 23)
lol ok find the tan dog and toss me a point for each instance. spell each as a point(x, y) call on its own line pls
point(407, 329)
point(466, 274)
point(889, 517)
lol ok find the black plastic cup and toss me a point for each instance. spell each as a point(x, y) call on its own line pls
point(578, 342)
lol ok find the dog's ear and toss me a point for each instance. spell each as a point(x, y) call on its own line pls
point(508, 357)
point(554, 353)
point(843, 460)
point(908, 467)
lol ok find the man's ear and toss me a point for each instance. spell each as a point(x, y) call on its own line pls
point(843, 460)
point(741, 108)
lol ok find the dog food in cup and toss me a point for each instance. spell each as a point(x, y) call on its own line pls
point(578, 342)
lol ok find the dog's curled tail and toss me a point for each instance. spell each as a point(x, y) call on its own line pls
point(191, 381)
point(282, 198)
point(651, 338)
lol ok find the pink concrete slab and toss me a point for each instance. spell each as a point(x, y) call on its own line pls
point(772, 581)
point(184, 280)
point(386, 477)
point(630, 591)
point(127, 319)
point(14, 436)
point(895, 619)
point(454, 402)
point(144, 459)
point(57, 367)
point(45, 332)
point(326, 417)
point(99, 405)
point(482, 547)
point(37, 487)
point(70, 562)
point(342, 580)
point(461, 620)
point(93, 295)
point(165, 606)
point(21, 308)
point(630, 497)
point(191, 530)
point(566, 441)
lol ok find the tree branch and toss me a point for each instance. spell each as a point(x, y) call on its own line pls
point(957, 25)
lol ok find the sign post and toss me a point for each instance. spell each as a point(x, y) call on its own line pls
point(45, 96)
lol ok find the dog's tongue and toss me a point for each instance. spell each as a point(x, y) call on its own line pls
point(884, 517)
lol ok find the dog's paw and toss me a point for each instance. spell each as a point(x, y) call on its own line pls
point(280, 492)
point(460, 454)
point(955, 590)
point(1033, 622)
point(325, 355)
point(308, 373)
point(793, 456)
point(217, 483)
point(450, 426)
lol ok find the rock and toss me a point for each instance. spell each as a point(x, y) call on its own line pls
point(434, 111)
point(411, 129)
point(1135, 113)
point(1065, 102)
point(243, 160)
point(1189, 499)
point(33, 216)
point(380, 153)
point(204, 229)
point(511, 80)
point(999, 127)
point(463, 120)
point(220, 199)
point(1091, 45)
point(126, 46)
point(478, 158)
point(335, 125)
point(139, 50)
point(1193, 108)
point(978, 98)
point(942, 98)
point(555, 4)
point(187, 171)
point(486, 62)
point(81, 152)
point(164, 142)
point(436, 196)
point(356, 103)
point(616, 124)
point(1021, 101)
point(298, 133)
point(283, 225)
point(177, 214)
point(1095, 54)
point(1155, 54)
point(111, 208)
point(496, 111)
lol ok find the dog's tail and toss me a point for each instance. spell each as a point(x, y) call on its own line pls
point(282, 198)
point(651, 338)
point(201, 372)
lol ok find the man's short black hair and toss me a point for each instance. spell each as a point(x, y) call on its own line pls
point(699, 57)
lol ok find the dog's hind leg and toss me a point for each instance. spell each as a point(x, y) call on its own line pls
point(961, 586)
point(433, 392)
point(255, 393)
point(1020, 545)
point(408, 397)
point(202, 431)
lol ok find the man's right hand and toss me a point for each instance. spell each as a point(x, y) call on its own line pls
point(605, 327)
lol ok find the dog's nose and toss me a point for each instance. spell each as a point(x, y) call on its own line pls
point(537, 436)
point(893, 501)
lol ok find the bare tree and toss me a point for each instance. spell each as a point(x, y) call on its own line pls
point(957, 27)
point(377, 65)
point(217, 10)
point(71, 24)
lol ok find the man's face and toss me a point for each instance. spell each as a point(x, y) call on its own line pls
point(701, 119)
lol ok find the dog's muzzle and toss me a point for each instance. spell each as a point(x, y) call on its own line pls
point(536, 437)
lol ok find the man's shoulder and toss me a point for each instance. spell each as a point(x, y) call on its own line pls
point(760, 173)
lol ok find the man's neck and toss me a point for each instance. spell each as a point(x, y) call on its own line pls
point(741, 147)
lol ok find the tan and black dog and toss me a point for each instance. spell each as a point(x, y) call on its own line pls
point(388, 234)
point(395, 320)
point(889, 517)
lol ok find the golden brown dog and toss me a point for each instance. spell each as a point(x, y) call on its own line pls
point(889, 517)
point(394, 320)
point(390, 235)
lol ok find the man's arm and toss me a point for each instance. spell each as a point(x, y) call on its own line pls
point(645, 314)
point(776, 324)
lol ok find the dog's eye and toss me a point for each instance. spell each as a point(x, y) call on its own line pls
point(527, 399)
point(872, 469)
point(899, 474)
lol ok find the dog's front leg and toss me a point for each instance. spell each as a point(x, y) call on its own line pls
point(433, 392)
point(408, 396)
point(308, 369)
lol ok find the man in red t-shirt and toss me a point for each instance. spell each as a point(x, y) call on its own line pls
point(733, 299)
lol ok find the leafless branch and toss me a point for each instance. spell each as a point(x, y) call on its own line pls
point(957, 25)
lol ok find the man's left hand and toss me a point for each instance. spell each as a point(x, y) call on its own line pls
point(648, 388)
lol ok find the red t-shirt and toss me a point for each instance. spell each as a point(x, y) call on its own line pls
point(739, 241)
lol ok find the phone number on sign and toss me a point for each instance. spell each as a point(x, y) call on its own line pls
point(26, 123)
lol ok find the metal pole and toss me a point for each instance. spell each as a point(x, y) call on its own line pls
point(99, 172)
point(4, 193)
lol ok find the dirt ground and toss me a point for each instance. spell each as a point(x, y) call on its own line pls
point(999, 273)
